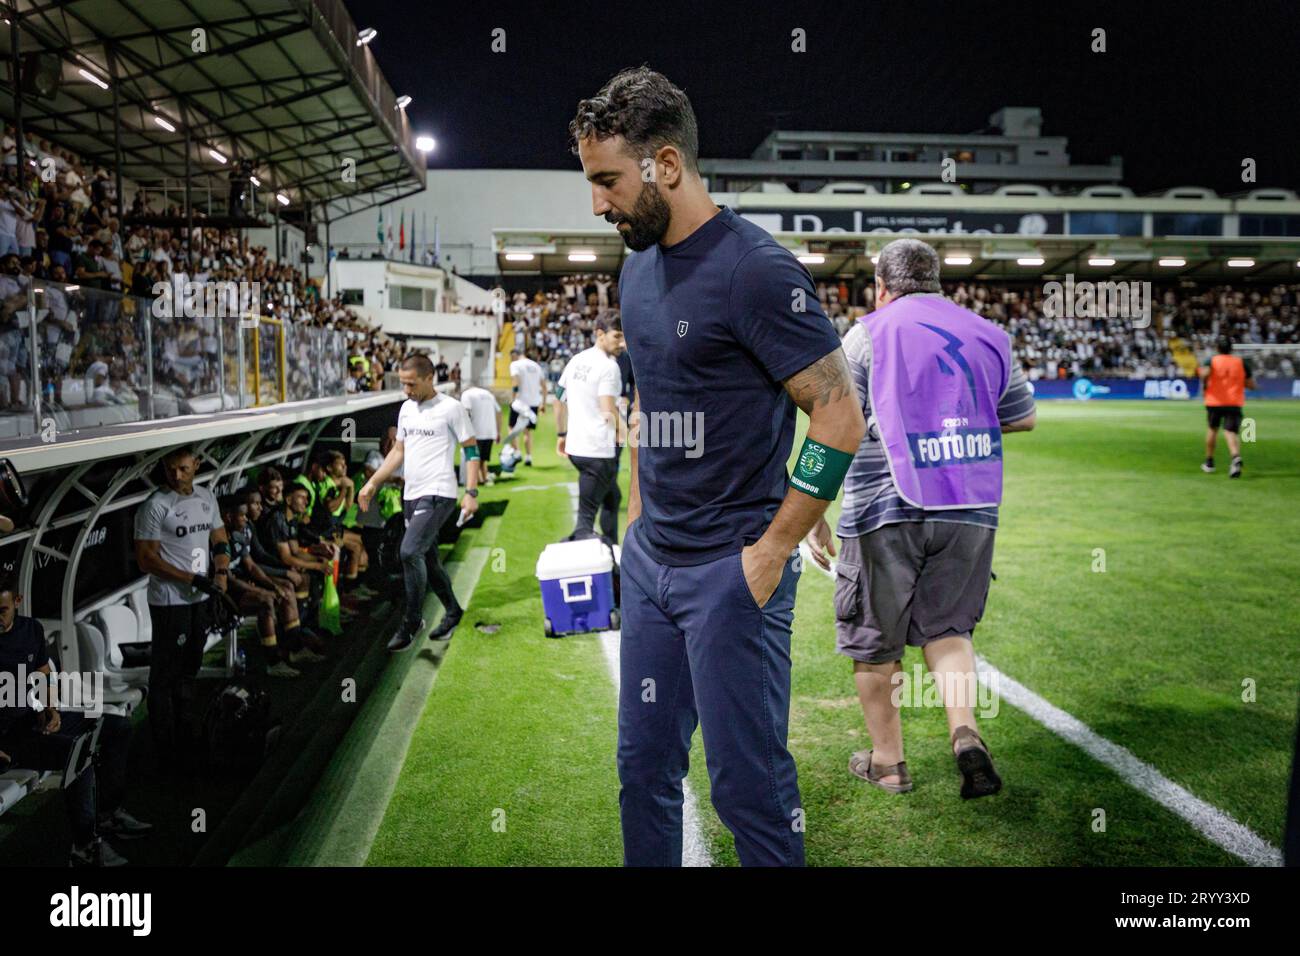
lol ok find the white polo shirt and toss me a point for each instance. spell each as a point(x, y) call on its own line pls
point(530, 380)
point(482, 408)
point(429, 432)
point(589, 375)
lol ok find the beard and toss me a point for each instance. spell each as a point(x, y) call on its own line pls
point(648, 220)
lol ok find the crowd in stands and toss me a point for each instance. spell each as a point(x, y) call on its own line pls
point(555, 323)
point(61, 223)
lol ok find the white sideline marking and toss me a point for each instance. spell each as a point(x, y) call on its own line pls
point(695, 852)
point(1215, 825)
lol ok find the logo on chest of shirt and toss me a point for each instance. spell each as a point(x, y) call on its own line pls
point(182, 530)
point(682, 326)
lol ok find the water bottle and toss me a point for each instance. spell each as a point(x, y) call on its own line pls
point(241, 662)
point(49, 394)
point(464, 516)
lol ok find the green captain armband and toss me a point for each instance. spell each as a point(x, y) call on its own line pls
point(470, 452)
point(820, 470)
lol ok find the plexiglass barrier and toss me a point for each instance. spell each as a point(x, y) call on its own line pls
point(74, 357)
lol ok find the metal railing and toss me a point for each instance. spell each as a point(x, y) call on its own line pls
point(73, 357)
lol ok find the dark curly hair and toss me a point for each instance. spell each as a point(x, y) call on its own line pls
point(646, 109)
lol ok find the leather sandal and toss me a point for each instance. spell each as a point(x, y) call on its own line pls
point(860, 766)
point(978, 778)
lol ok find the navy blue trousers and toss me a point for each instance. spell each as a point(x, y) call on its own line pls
point(696, 648)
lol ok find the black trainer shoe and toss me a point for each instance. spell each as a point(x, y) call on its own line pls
point(122, 825)
point(447, 625)
point(1207, 466)
point(400, 641)
point(96, 853)
point(1235, 470)
point(403, 637)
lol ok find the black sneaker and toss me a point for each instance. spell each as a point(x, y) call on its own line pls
point(1207, 466)
point(403, 638)
point(1235, 471)
point(96, 853)
point(447, 625)
point(121, 824)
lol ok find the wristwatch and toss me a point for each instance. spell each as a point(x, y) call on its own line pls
point(472, 492)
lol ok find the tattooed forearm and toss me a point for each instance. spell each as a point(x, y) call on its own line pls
point(825, 381)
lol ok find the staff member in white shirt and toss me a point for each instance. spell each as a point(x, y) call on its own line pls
point(429, 427)
point(530, 388)
point(586, 418)
point(176, 528)
point(485, 416)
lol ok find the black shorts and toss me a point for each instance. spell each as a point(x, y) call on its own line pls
point(485, 450)
point(1227, 416)
point(514, 417)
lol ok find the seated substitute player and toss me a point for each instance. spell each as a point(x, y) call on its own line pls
point(280, 529)
point(357, 561)
point(937, 386)
point(268, 562)
point(1225, 378)
point(255, 592)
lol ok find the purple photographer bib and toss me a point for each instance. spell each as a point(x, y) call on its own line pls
point(937, 374)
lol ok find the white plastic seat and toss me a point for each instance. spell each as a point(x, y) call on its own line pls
point(16, 784)
point(139, 600)
point(120, 626)
point(92, 646)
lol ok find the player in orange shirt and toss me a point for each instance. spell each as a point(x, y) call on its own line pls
point(1224, 379)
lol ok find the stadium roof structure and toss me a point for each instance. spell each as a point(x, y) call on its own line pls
point(1002, 236)
point(965, 255)
point(170, 88)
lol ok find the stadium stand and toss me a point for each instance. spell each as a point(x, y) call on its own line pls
point(69, 232)
point(557, 324)
point(89, 237)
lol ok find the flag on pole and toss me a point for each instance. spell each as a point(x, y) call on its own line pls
point(424, 228)
point(388, 243)
point(401, 236)
point(437, 252)
point(381, 224)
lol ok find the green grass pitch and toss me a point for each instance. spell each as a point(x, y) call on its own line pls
point(512, 762)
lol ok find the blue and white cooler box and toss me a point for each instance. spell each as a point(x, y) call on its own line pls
point(577, 579)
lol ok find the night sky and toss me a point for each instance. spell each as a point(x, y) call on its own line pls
point(1184, 93)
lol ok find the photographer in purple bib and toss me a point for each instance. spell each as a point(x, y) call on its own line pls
point(936, 385)
point(726, 338)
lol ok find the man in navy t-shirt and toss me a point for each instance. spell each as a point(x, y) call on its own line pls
point(726, 338)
